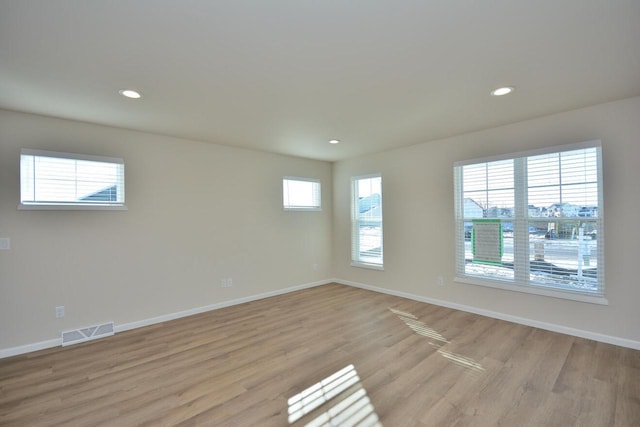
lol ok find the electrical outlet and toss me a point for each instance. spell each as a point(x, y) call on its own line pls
point(60, 312)
point(440, 281)
point(5, 243)
point(314, 267)
point(227, 282)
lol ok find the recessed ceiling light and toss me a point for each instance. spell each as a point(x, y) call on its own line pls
point(334, 141)
point(130, 93)
point(506, 90)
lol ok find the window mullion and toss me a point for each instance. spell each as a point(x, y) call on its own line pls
point(520, 226)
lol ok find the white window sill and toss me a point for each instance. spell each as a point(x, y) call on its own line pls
point(532, 289)
point(70, 207)
point(368, 265)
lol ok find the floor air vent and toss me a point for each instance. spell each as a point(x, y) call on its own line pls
point(86, 334)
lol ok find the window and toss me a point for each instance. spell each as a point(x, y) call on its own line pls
point(50, 180)
point(366, 222)
point(302, 194)
point(533, 222)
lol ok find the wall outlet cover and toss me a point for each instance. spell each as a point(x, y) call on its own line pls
point(5, 243)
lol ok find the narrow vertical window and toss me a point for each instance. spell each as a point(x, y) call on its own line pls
point(366, 222)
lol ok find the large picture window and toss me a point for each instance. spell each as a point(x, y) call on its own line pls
point(366, 221)
point(533, 222)
point(51, 180)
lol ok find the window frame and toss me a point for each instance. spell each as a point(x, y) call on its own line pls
point(356, 260)
point(293, 208)
point(521, 281)
point(75, 205)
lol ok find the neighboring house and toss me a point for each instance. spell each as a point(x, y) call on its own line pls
point(472, 209)
point(535, 211)
point(495, 212)
point(563, 210)
point(588, 211)
point(109, 194)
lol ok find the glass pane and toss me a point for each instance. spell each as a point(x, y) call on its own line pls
point(488, 190)
point(500, 204)
point(580, 195)
point(579, 166)
point(300, 194)
point(565, 255)
point(474, 177)
point(543, 170)
point(370, 238)
point(542, 200)
point(500, 175)
point(474, 203)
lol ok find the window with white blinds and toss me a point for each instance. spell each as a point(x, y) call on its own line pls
point(301, 194)
point(533, 222)
point(51, 180)
point(366, 221)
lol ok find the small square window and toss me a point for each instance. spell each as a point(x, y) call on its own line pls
point(301, 194)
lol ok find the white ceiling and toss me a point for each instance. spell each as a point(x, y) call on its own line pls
point(288, 75)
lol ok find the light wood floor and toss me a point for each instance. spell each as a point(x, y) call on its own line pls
point(331, 353)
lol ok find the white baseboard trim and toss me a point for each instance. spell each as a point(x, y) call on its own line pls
point(622, 342)
point(608, 339)
point(28, 348)
point(171, 316)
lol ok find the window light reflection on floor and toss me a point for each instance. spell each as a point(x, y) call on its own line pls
point(353, 406)
point(417, 326)
point(460, 360)
point(421, 328)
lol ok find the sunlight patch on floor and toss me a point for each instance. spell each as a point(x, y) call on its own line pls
point(421, 328)
point(352, 408)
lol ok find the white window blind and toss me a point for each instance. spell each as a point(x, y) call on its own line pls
point(366, 221)
point(533, 222)
point(69, 181)
point(301, 194)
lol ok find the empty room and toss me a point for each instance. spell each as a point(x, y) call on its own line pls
point(319, 213)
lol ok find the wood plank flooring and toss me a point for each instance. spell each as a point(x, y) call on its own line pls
point(331, 355)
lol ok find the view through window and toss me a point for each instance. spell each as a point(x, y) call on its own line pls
point(300, 194)
point(366, 207)
point(533, 220)
point(70, 180)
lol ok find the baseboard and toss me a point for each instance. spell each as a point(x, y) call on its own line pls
point(608, 339)
point(171, 316)
point(42, 345)
point(622, 342)
point(28, 348)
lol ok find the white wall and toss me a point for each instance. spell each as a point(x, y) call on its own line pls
point(418, 218)
point(225, 220)
point(197, 213)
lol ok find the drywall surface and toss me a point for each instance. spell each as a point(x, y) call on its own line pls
point(197, 213)
point(418, 211)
